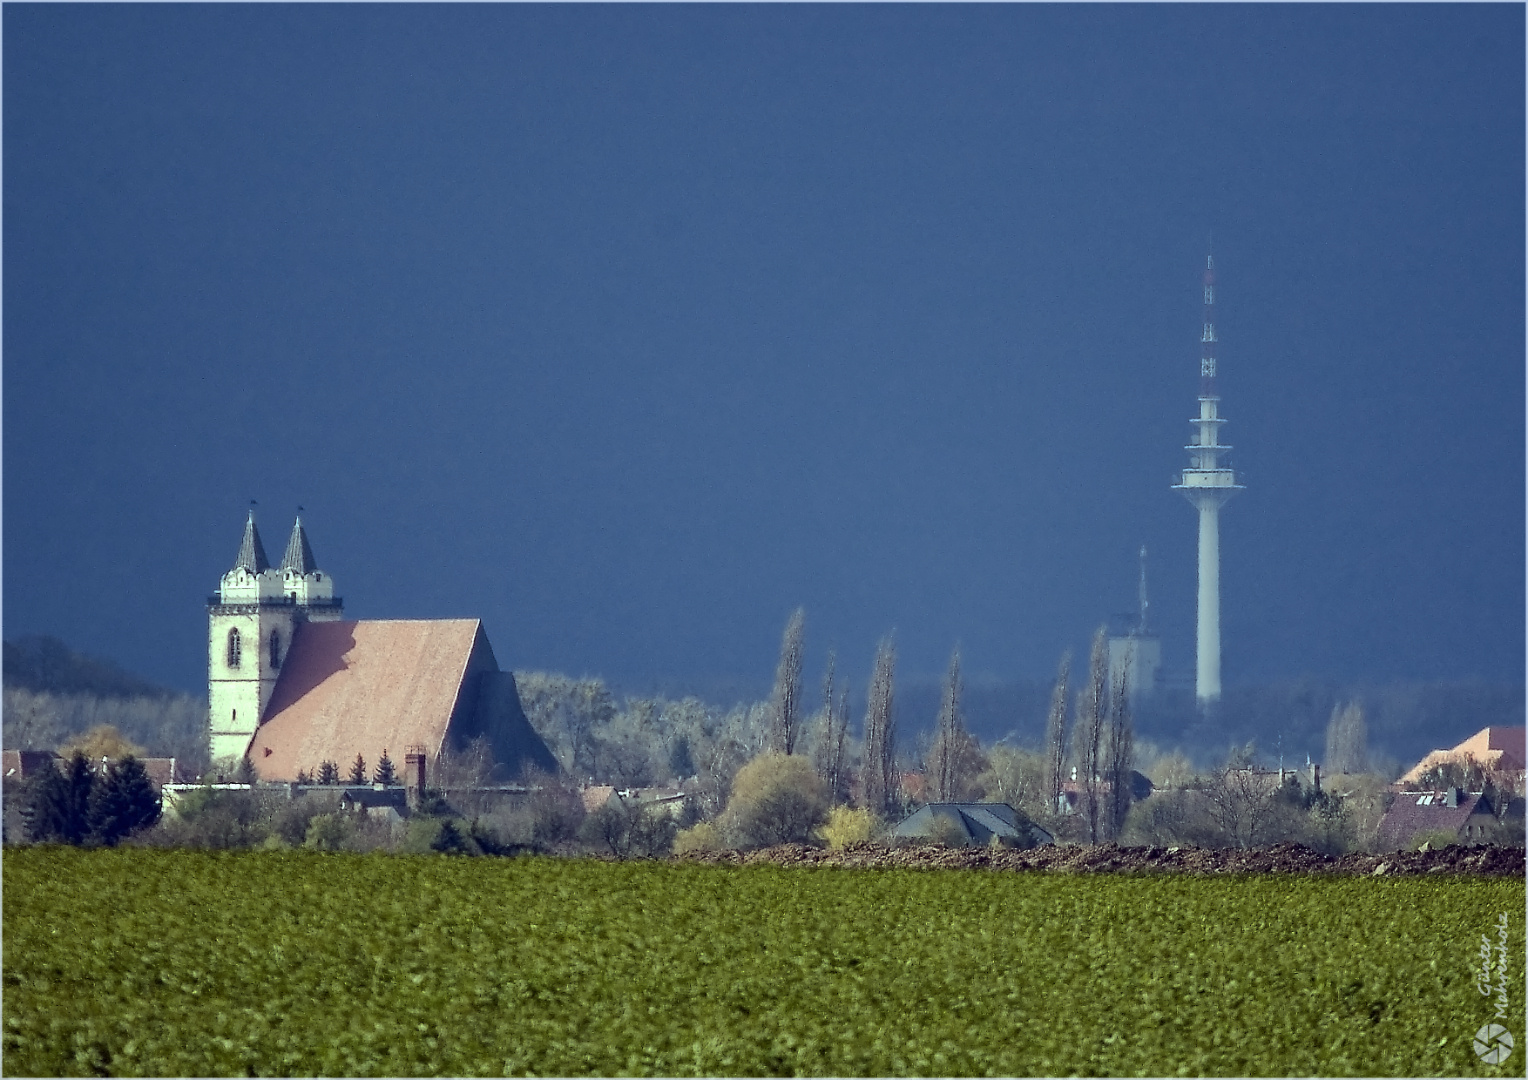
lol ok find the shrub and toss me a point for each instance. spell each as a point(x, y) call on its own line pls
point(848, 825)
point(776, 799)
point(704, 836)
point(328, 832)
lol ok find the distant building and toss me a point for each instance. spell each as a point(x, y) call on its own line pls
point(973, 824)
point(1465, 817)
point(1136, 655)
point(1496, 748)
point(291, 684)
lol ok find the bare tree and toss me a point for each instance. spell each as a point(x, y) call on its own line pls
point(1121, 750)
point(786, 700)
point(835, 712)
point(1240, 802)
point(949, 738)
point(1347, 740)
point(879, 783)
point(1092, 709)
point(1056, 736)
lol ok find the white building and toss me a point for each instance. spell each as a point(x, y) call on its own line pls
point(251, 622)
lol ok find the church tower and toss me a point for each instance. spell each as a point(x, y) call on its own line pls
point(251, 620)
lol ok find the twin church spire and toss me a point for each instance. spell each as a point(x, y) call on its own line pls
point(252, 558)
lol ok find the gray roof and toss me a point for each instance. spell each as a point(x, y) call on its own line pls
point(978, 821)
point(251, 552)
point(299, 553)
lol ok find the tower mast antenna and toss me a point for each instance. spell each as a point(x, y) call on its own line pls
point(1208, 483)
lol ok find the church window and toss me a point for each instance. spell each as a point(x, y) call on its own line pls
point(233, 647)
point(275, 649)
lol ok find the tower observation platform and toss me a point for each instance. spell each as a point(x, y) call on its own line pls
point(1208, 483)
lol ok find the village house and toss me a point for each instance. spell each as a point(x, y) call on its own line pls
point(1461, 816)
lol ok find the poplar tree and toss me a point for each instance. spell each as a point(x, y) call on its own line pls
point(1092, 710)
point(1121, 750)
point(785, 702)
point(878, 772)
point(1056, 736)
point(949, 737)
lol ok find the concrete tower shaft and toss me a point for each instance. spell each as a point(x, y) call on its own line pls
point(1208, 483)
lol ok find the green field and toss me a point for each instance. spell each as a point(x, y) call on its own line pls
point(280, 963)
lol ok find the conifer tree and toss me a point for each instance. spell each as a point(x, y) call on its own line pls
point(58, 809)
point(358, 770)
point(122, 802)
point(328, 773)
point(385, 773)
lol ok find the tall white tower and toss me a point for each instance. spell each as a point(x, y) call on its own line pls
point(250, 623)
point(1208, 483)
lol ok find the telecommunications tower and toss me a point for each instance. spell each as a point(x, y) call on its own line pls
point(1207, 483)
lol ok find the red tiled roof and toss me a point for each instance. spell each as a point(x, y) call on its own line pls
point(1497, 747)
point(19, 764)
point(359, 687)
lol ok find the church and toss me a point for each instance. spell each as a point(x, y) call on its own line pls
point(292, 684)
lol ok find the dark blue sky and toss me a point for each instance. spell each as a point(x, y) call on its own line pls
point(628, 329)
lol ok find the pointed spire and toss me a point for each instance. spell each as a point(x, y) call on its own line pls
point(251, 552)
point(299, 553)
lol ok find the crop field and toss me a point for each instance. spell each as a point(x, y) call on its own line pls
point(165, 962)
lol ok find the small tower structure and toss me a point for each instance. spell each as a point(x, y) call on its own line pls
point(1137, 654)
point(1208, 483)
point(251, 620)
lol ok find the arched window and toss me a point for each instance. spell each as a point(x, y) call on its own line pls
point(233, 647)
point(275, 649)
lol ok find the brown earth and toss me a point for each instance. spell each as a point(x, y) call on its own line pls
point(1113, 859)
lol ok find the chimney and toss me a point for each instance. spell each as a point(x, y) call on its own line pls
point(1315, 778)
point(1453, 797)
point(413, 774)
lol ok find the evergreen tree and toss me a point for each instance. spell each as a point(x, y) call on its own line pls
point(385, 773)
point(328, 773)
point(122, 802)
point(450, 841)
point(245, 773)
point(58, 805)
point(358, 770)
point(304, 777)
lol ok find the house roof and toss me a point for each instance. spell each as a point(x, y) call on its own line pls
point(979, 821)
point(1501, 747)
point(359, 687)
point(299, 553)
point(19, 764)
point(251, 555)
point(1415, 812)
